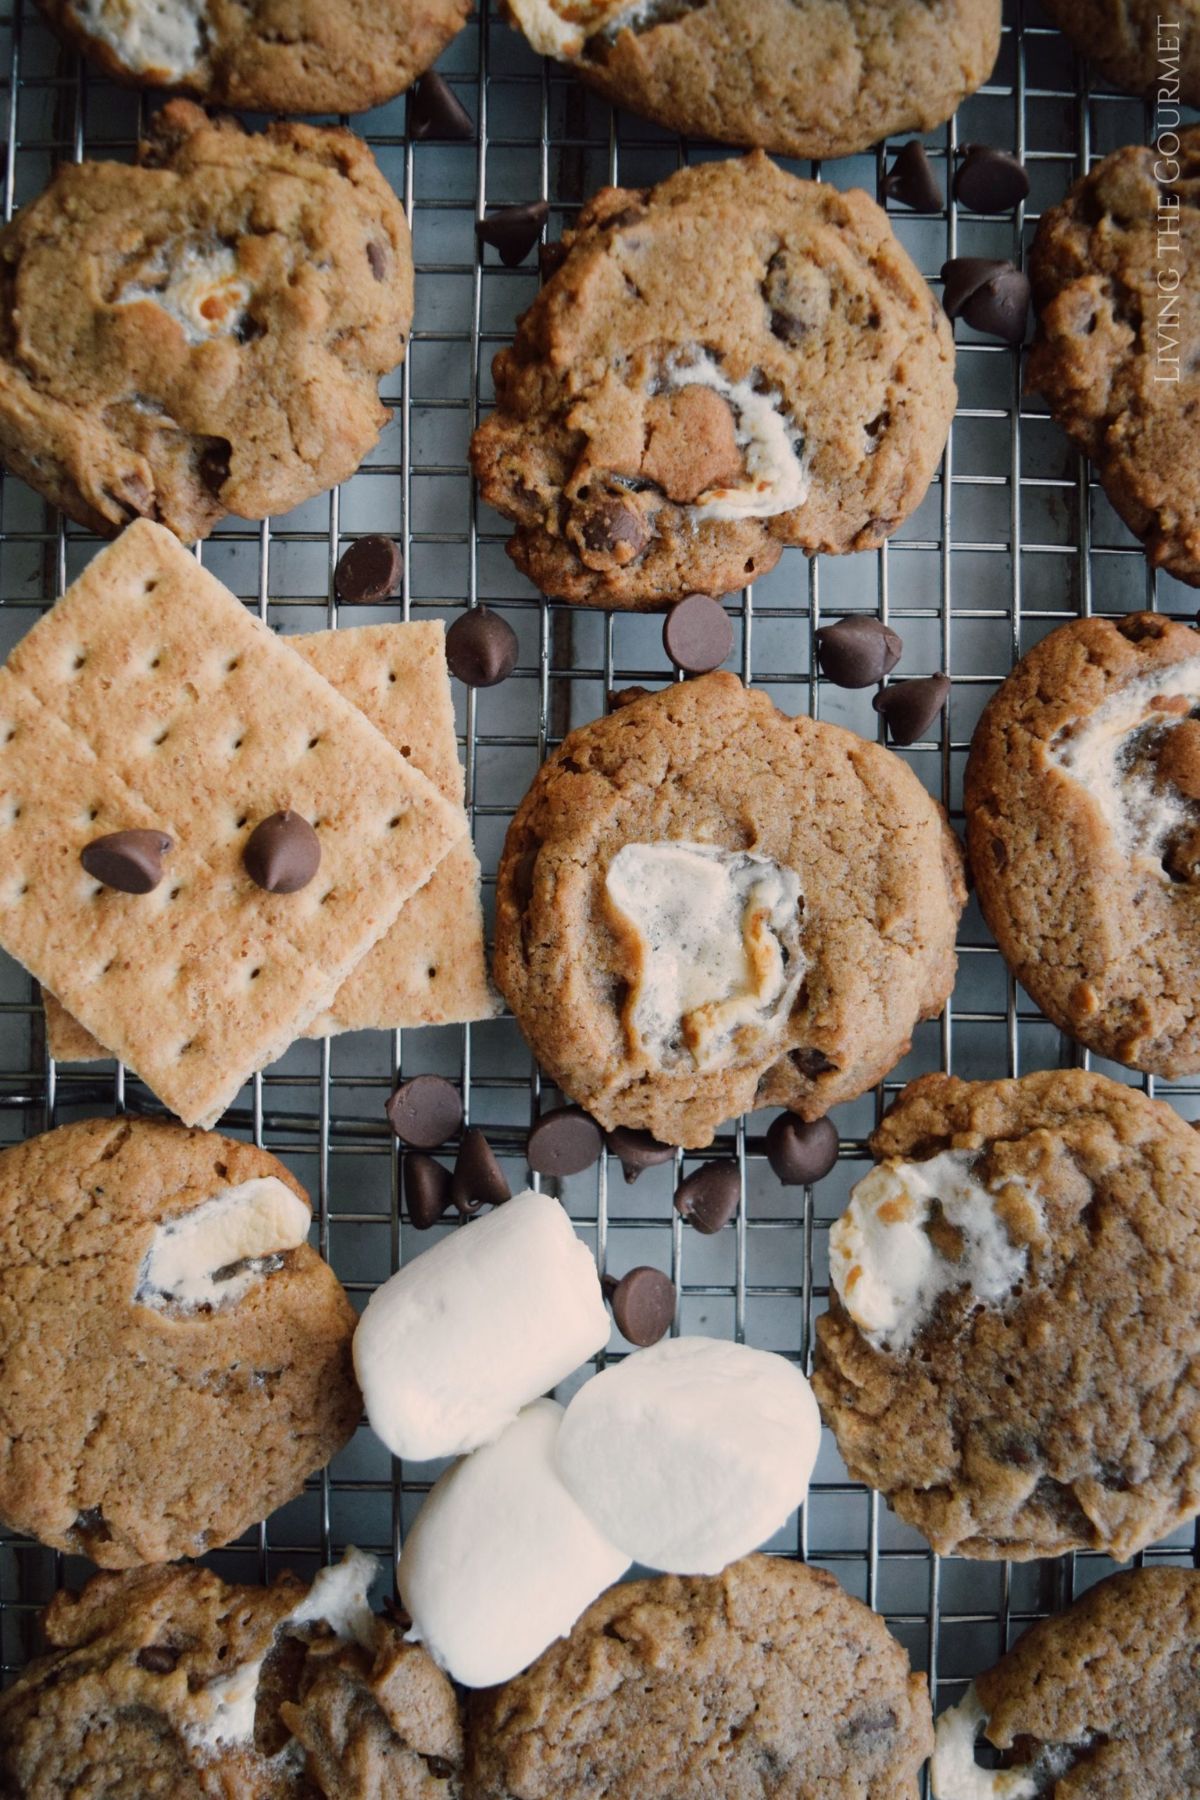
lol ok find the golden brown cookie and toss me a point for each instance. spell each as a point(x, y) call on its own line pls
point(203, 332)
point(1083, 824)
point(174, 1357)
point(727, 363)
point(1012, 1345)
point(1139, 45)
point(704, 906)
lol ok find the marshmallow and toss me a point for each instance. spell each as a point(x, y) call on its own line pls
point(243, 1230)
point(772, 446)
point(692, 1453)
point(199, 288)
point(158, 38)
point(501, 1561)
point(459, 1340)
point(954, 1772)
point(561, 28)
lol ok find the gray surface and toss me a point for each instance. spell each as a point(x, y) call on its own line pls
point(1010, 541)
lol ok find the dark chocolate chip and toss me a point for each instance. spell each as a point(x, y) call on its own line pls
point(614, 526)
point(963, 276)
point(800, 1153)
point(129, 861)
point(282, 853)
point(551, 258)
point(425, 1111)
point(637, 1151)
point(911, 707)
point(858, 652)
point(708, 1199)
point(990, 181)
point(643, 1304)
point(439, 1768)
point(481, 648)
point(513, 231)
point(991, 296)
point(564, 1142)
point(478, 1179)
point(435, 111)
point(377, 256)
point(426, 1189)
point(369, 570)
point(810, 1062)
point(697, 634)
point(159, 1659)
point(912, 182)
point(213, 465)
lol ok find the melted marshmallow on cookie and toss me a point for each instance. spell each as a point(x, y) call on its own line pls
point(198, 286)
point(775, 478)
point(956, 1775)
point(561, 28)
point(214, 1253)
point(157, 38)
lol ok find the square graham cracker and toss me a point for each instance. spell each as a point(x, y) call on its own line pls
point(149, 696)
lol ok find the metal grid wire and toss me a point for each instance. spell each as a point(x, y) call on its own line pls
point(1013, 537)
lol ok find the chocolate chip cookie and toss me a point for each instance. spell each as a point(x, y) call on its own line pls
point(1098, 1703)
point(727, 363)
point(169, 1682)
point(800, 77)
point(1082, 798)
point(704, 906)
point(1116, 281)
point(1013, 1336)
point(768, 1679)
point(1136, 44)
point(174, 1357)
point(288, 56)
point(203, 332)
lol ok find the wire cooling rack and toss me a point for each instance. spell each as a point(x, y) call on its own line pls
point(1013, 538)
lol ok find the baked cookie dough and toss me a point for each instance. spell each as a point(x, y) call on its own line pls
point(174, 1357)
point(727, 363)
point(704, 906)
point(799, 77)
point(1097, 1703)
point(288, 56)
point(1136, 44)
point(1115, 271)
point(1012, 1345)
point(203, 332)
point(1082, 800)
point(171, 1683)
point(768, 1679)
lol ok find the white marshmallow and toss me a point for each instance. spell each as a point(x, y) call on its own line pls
point(692, 1453)
point(249, 1224)
point(200, 289)
point(459, 1340)
point(561, 28)
point(501, 1561)
point(772, 444)
point(160, 39)
point(954, 1772)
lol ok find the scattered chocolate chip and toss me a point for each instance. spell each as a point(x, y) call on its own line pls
point(481, 648)
point(513, 231)
point(910, 707)
point(990, 181)
point(426, 1189)
point(858, 652)
point(991, 296)
point(637, 1151)
point(129, 861)
point(912, 182)
point(800, 1153)
point(478, 1179)
point(643, 1304)
point(613, 527)
point(282, 853)
point(697, 634)
point(564, 1142)
point(425, 1111)
point(435, 111)
point(160, 1659)
point(368, 571)
point(708, 1199)
point(551, 258)
point(810, 1062)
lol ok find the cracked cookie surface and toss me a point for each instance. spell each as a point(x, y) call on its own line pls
point(1082, 799)
point(1041, 1397)
point(1121, 37)
point(204, 332)
point(1118, 309)
point(787, 919)
point(728, 363)
point(174, 1358)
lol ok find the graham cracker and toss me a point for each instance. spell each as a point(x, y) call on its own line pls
point(149, 696)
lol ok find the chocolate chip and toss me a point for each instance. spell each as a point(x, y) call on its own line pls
point(481, 648)
point(438, 1767)
point(709, 1198)
point(551, 258)
point(643, 1305)
point(637, 1151)
point(369, 570)
point(912, 182)
point(697, 634)
point(159, 1659)
point(811, 1063)
point(801, 1153)
point(212, 465)
point(990, 181)
point(991, 296)
point(282, 853)
point(129, 861)
point(564, 1142)
point(478, 1179)
point(513, 231)
point(858, 652)
point(426, 1189)
point(435, 111)
point(425, 1111)
point(911, 707)
point(377, 256)
point(613, 526)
